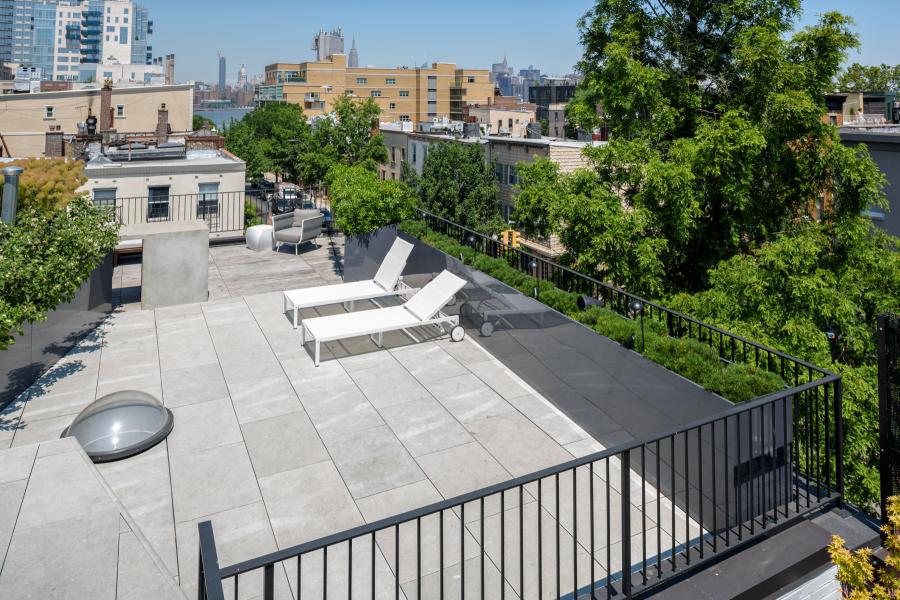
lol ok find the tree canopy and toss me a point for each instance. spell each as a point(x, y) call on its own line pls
point(277, 138)
point(458, 184)
point(715, 117)
point(270, 139)
point(868, 78)
point(722, 191)
point(362, 203)
point(47, 184)
point(57, 240)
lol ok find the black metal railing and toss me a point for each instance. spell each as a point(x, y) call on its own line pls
point(730, 347)
point(888, 333)
point(223, 212)
point(614, 523)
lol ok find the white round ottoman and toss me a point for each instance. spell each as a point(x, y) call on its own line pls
point(260, 238)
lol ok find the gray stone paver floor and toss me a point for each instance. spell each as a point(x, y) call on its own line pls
point(275, 451)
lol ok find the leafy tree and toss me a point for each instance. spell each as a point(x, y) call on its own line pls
point(715, 118)
point(458, 184)
point(270, 138)
point(46, 256)
point(545, 127)
point(858, 577)
point(833, 276)
point(362, 203)
point(48, 184)
point(868, 78)
point(351, 137)
point(199, 122)
point(600, 236)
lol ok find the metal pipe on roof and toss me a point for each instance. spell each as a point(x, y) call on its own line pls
point(10, 194)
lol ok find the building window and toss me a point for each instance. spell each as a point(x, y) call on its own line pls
point(361, 81)
point(48, 112)
point(404, 118)
point(402, 154)
point(107, 74)
point(120, 109)
point(390, 81)
point(414, 149)
point(513, 176)
point(376, 93)
point(105, 198)
point(471, 79)
point(392, 105)
point(348, 92)
point(404, 93)
point(158, 203)
point(207, 200)
point(123, 34)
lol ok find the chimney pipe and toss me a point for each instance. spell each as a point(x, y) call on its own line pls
point(105, 109)
point(10, 194)
point(162, 125)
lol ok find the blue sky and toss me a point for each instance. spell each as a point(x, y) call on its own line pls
point(397, 32)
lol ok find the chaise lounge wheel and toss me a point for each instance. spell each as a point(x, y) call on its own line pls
point(487, 329)
point(465, 310)
point(457, 333)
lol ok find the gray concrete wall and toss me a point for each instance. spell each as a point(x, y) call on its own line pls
point(174, 262)
point(47, 341)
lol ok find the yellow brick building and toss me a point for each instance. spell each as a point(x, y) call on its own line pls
point(404, 94)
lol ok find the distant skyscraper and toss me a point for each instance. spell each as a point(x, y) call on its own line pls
point(242, 77)
point(327, 43)
point(353, 59)
point(221, 77)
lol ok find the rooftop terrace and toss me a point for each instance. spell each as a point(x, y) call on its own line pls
point(275, 452)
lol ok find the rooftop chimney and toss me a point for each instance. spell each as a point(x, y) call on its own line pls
point(105, 122)
point(162, 125)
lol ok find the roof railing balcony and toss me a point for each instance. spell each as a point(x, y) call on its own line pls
point(713, 485)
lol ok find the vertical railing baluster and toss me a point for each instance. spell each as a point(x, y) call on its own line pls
point(839, 439)
point(462, 552)
point(574, 532)
point(625, 464)
point(644, 513)
point(558, 516)
point(269, 582)
point(522, 543)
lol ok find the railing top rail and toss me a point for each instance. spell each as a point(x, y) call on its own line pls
point(645, 302)
point(369, 528)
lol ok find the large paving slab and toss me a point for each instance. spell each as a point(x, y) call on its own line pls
point(275, 451)
point(64, 534)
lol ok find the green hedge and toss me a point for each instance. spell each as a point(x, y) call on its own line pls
point(692, 359)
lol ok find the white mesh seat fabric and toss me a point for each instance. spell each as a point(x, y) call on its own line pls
point(392, 266)
point(386, 283)
point(422, 309)
point(434, 296)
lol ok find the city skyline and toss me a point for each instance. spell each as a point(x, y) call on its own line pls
point(182, 29)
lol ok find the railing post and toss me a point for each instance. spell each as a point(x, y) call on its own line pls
point(625, 507)
point(209, 584)
point(839, 439)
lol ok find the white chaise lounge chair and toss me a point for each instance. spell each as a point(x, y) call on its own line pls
point(422, 309)
point(387, 282)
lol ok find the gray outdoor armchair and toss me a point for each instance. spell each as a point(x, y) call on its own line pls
point(298, 227)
